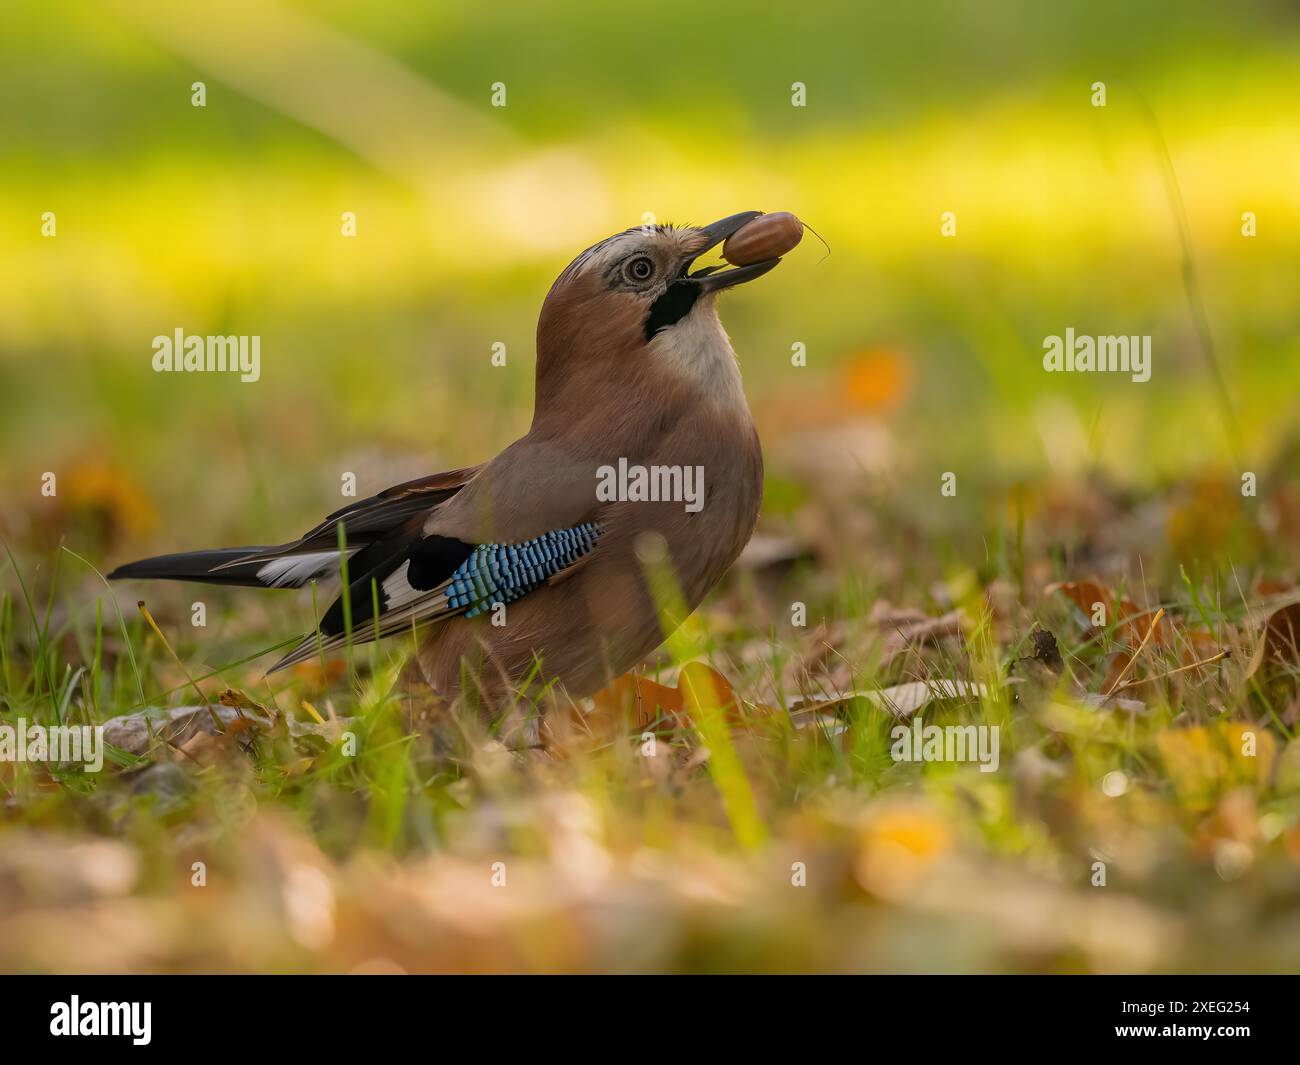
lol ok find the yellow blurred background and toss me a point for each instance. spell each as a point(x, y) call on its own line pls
point(376, 349)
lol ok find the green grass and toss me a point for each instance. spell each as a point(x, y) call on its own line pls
point(907, 866)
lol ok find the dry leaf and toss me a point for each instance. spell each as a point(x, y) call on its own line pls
point(703, 688)
point(1129, 622)
point(902, 700)
point(644, 700)
point(239, 701)
point(1280, 641)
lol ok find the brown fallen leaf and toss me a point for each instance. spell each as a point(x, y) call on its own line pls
point(136, 733)
point(1280, 640)
point(703, 688)
point(239, 701)
point(931, 628)
point(906, 627)
point(647, 703)
point(1130, 622)
point(886, 615)
point(206, 748)
point(643, 700)
point(1131, 625)
point(1200, 644)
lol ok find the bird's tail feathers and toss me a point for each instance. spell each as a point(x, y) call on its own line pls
point(254, 567)
point(428, 609)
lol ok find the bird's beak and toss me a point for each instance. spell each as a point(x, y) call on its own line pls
point(715, 278)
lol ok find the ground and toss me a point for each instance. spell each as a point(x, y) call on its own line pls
point(733, 806)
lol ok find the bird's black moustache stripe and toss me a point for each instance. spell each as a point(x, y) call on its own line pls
point(670, 308)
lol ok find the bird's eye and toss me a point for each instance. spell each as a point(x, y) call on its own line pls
point(641, 268)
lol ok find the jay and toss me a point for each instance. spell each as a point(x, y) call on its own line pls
point(518, 571)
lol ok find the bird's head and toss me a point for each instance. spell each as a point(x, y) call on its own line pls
point(633, 304)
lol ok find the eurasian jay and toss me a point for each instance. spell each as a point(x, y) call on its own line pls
point(520, 569)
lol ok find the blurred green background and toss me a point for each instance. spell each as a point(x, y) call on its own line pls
point(376, 350)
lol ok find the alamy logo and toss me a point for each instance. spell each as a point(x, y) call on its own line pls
point(213, 354)
point(1085, 354)
point(21, 742)
point(103, 1018)
point(919, 742)
point(651, 484)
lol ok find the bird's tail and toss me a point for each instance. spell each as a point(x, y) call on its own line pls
point(254, 567)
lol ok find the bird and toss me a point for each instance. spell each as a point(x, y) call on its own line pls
point(530, 571)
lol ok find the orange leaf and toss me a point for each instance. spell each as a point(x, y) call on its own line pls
point(704, 688)
point(642, 699)
point(1130, 621)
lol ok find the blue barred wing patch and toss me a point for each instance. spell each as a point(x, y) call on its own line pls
point(499, 573)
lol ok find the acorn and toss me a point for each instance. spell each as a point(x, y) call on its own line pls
point(768, 236)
